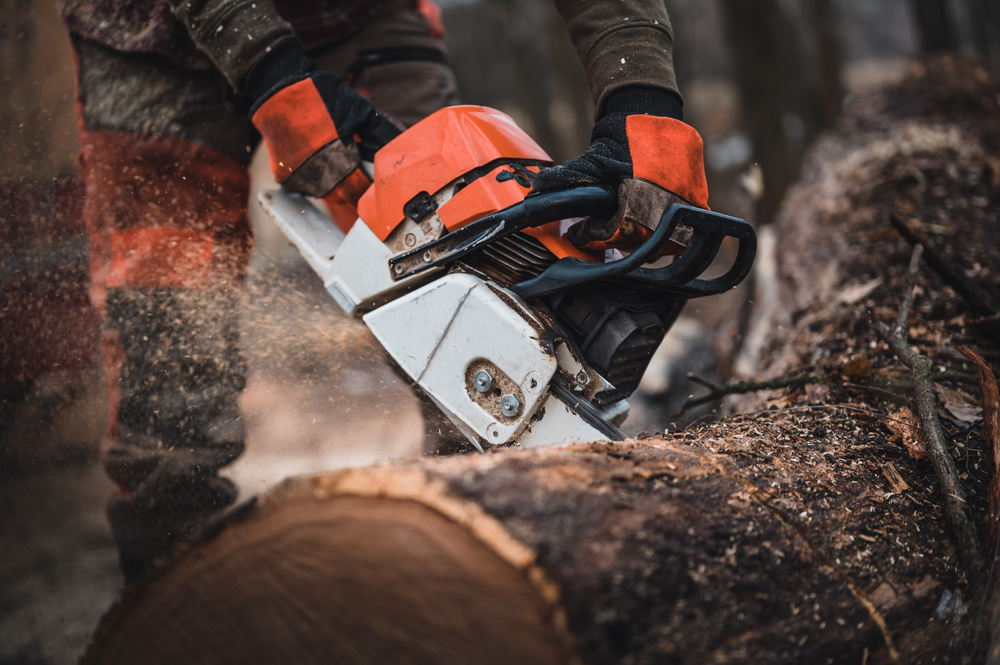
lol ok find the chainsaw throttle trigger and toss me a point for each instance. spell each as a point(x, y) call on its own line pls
point(534, 210)
point(680, 278)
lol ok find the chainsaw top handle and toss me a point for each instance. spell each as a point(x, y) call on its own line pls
point(680, 278)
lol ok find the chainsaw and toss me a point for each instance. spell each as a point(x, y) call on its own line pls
point(467, 280)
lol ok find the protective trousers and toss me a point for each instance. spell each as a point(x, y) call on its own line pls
point(164, 153)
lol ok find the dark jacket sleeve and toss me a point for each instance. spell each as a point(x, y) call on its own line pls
point(621, 43)
point(234, 33)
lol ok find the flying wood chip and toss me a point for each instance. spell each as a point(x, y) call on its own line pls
point(858, 367)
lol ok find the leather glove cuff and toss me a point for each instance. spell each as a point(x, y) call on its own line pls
point(315, 126)
point(662, 150)
point(641, 146)
point(668, 153)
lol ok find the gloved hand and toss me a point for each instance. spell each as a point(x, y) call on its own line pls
point(316, 128)
point(641, 147)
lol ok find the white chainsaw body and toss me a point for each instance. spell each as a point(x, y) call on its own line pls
point(443, 329)
point(465, 275)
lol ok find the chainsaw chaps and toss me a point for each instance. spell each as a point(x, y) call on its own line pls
point(469, 283)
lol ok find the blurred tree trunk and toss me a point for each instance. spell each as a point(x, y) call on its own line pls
point(935, 26)
point(765, 53)
point(829, 91)
point(984, 17)
point(787, 68)
point(516, 55)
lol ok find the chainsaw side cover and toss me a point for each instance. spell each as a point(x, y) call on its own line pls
point(358, 277)
point(443, 333)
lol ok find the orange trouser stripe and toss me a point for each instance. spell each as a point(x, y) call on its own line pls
point(161, 257)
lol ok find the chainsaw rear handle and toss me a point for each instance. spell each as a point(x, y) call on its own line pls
point(680, 278)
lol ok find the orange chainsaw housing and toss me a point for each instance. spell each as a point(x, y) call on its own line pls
point(448, 145)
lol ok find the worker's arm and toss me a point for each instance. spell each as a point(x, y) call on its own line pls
point(640, 143)
point(235, 34)
point(309, 119)
point(624, 43)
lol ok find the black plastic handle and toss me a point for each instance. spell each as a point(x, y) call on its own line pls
point(534, 210)
point(680, 278)
point(708, 228)
point(714, 228)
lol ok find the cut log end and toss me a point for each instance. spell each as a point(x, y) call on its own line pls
point(345, 579)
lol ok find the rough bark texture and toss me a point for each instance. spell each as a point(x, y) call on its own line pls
point(760, 539)
point(926, 154)
point(927, 151)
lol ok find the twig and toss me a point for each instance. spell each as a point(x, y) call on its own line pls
point(990, 397)
point(937, 449)
point(874, 389)
point(817, 407)
point(717, 390)
point(746, 453)
point(971, 293)
point(956, 377)
point(697, 378)
point(906, 302)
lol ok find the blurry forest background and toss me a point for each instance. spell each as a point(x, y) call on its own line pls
point(761, 80)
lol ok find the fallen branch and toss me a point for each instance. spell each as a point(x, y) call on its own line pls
point(990, 396)
point(956, 377)
point(937, 448)
point(720, 390)
point(717, 390)
point(971, 293)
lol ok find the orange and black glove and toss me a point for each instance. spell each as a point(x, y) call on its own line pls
point(642, 147)
point(316, 127)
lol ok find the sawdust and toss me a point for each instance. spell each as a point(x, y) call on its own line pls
point(295, 330)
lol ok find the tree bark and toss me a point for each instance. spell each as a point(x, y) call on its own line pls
point(787, 66)
point(984, 18)
point(821, 18)
point(767, 53)
point(695, 548)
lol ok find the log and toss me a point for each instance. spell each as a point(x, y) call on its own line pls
point(927, 153)
point(801, 531)
point(716, 545)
